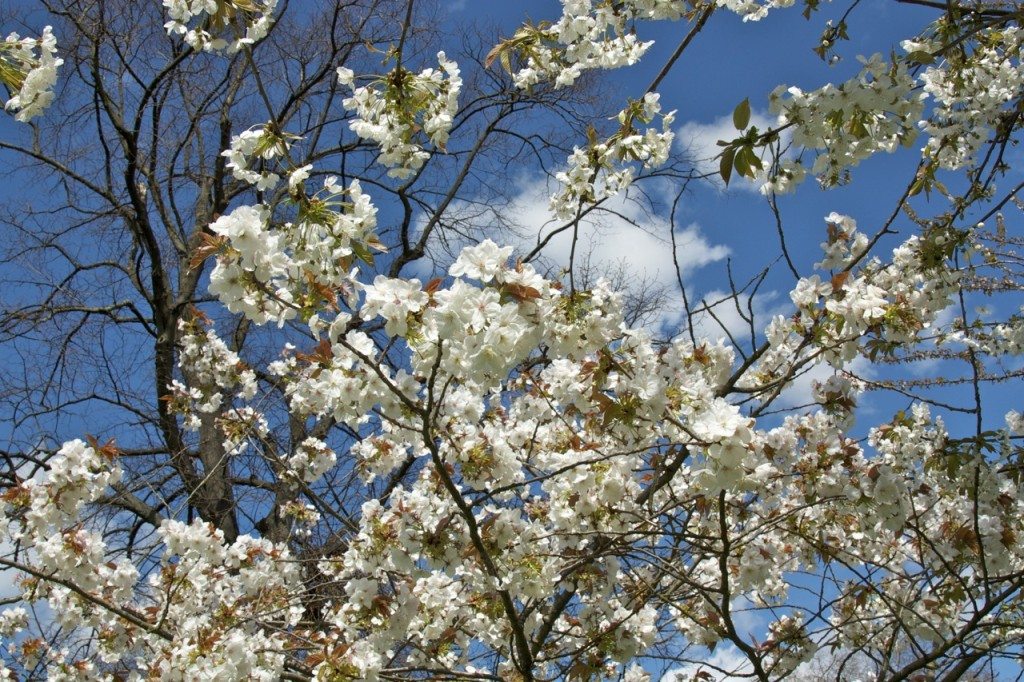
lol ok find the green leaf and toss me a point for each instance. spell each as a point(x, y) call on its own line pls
point(920, 57)
point(916, 188)
point(725, 166)
point(741, 115)
point(747, 162)
point(362, 253)
point(755, 160)
point(741, 162)
point(857, 127)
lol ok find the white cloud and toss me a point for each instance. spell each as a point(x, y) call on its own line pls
point(946, 317)
point(801, 391)
point(726, 663)
point(929, 367)
point(626, 234)
point(699, 141)
point(620, 238)
point(8, 576)
point(720, 314)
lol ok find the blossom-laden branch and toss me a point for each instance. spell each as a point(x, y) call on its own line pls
point(539, 414)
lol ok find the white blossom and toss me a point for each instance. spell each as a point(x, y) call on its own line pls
point(28, 69)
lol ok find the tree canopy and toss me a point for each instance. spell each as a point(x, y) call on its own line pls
point(295, 389)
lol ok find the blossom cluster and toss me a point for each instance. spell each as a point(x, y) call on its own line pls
point(864, 307)
point(875, 111)
point(220, 25)
point(277, 271)
point(606, 167)
point(212, 595)
point(212, 372)
point(971, 94)
point(394, 108)
point(28, 69)
point(599, 35)
point(257, 144)
point(751, 10)
point(585, 37)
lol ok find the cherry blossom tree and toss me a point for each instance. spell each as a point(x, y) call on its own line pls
point(341, 471)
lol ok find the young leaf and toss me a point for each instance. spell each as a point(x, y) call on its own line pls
point(741, 115)
point(741, 163)
point(920, 57)
point(495, 52)
point(725, 166)
point(362, 253)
